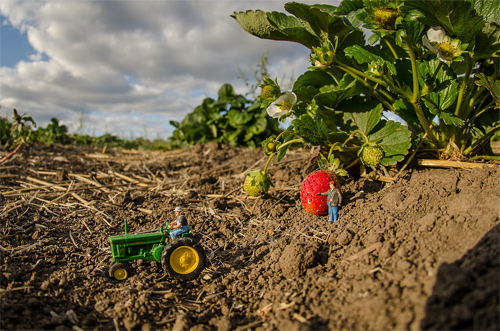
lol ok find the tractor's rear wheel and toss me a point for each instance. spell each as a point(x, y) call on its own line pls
point(119, 271)
point(183, 259)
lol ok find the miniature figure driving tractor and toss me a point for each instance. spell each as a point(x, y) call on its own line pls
point(182, 258)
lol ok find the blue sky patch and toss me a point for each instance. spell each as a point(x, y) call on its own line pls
point(14, 45)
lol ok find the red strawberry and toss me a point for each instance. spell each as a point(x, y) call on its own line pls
point(317, 182)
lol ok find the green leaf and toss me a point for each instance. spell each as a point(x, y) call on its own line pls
point(331, 95)
point(404, 74)
point(314, 19)
point(231, 137)
point(489, 9)
point(259, 126)
point(275, 26)
point(248, 136)
point(451, 119)
point(226, 92)
point(443, 99)
point(373, 38)
point(238, 118)
point(353, 20)
point(213, 130)
point(255, 107)
point(312, 130)
point(487, 43)
point(348, 6)
point(458, 18)
point(332, 10)
point(238, 102)
point(395, 140)
point(492, 85)
point(414, 31)
point(338, 137)
point(282, 151)
point(488, 121)
point(369, 54)
point(315, 79)
point(405, 110)
point(359, 113)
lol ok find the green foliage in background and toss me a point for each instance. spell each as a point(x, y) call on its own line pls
point(18, 131)
point(231, 119)
point(53, 134)
point(22, 129)
point(434, 64)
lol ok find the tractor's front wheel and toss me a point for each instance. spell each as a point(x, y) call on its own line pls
point(119, 271)
point(183, 259)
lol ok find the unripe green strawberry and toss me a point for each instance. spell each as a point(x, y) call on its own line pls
point(270, 145)
point(371, 154)
point(257, 182)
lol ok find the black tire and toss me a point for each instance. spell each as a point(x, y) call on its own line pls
point(183, 259)
point(119, 271)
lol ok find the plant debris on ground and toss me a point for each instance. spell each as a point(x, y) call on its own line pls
point(421, 252)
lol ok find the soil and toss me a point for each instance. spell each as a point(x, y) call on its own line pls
point(419, 253)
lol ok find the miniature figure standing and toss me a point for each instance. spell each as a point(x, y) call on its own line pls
point(334, 201)
point(180, 225)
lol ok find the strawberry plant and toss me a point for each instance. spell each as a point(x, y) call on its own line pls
point(54, 133)
point(427, 71)
point(231, 119)
point(17, 133)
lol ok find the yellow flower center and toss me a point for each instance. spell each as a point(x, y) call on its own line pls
point(386, 17)
point(286, 105)
point(446, 50)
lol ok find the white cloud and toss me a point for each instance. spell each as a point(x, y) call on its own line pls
point(131, 65)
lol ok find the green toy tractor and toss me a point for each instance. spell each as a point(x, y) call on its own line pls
point(182, 259)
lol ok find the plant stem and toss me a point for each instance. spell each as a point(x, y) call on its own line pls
point(333, 76)
point(483, 109)
point(478, 98)
point(481, 140)
point(341, 148)
point(411, 156)
point(391, 48)
point(415, 99)
point(464, 86)
point(8, 156)
point(424, 122)
point(486, 157)
point(386, 99)
point(413, 59)
point(380, 94)
point(361, 76)
point(365, 137)
point(284, 132)
point(289, 143)
point(331, 150)
point(268, 162)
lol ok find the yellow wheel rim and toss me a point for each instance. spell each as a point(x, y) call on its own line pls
point(120, 274)
point(184, 260)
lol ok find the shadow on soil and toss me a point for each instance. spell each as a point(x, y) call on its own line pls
point(466, 293)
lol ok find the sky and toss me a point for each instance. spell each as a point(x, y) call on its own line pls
point(127, 68)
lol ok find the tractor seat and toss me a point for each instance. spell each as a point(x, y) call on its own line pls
point(186, 234)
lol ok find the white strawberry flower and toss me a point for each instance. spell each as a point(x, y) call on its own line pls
point(438, 42)
point(283, 105)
